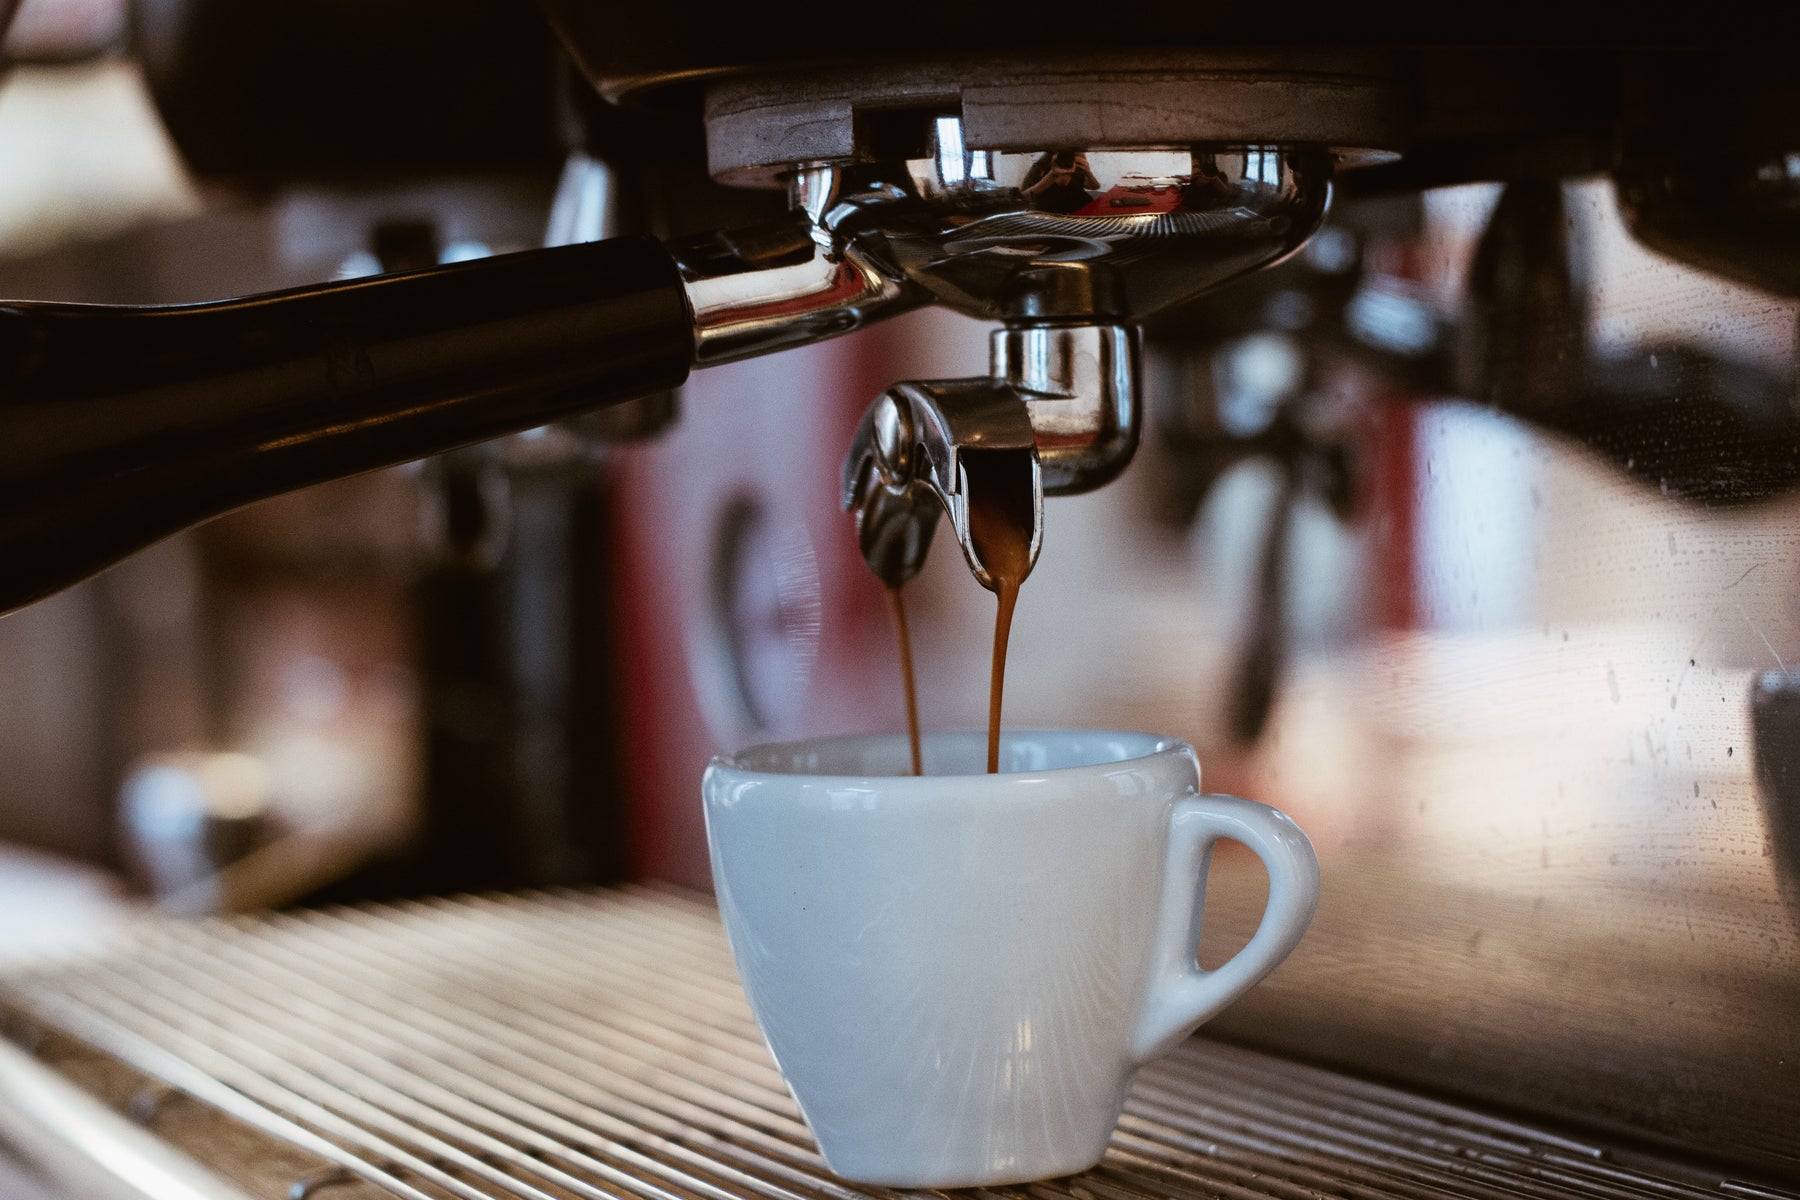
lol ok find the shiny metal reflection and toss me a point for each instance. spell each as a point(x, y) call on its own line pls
point(1098, 235)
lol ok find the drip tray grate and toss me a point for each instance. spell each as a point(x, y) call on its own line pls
point(597, 1044)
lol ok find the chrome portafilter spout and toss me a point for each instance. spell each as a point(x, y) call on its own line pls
point(1068, 250)
point(1065, 395)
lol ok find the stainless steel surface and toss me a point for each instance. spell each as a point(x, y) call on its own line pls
point(755, 291)
point(92, 1151)
point(598, 1045)
point(999, 234)
point(1131, 232)
point(1524, 753)
point(1080, 384)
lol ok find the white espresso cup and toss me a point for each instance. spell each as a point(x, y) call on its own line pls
point(959, 973)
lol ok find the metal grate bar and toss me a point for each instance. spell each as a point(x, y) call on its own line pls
point(597, 1045)
point(522, 1091)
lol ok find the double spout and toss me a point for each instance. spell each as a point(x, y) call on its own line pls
point(1062, 396)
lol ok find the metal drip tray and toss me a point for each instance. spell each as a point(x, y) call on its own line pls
point(598, 1045)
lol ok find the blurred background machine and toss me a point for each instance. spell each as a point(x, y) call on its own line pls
point(1466, 534)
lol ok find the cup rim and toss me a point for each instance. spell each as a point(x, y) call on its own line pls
point(1156, 745)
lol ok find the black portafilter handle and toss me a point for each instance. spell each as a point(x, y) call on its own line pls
point(120, 426)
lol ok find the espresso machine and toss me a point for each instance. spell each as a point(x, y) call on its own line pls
point(1351, 320)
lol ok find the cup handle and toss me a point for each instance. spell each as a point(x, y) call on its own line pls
point(1181, 995)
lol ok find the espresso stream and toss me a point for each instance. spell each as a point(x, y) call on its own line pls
point(897, 605)
point(1000, 527)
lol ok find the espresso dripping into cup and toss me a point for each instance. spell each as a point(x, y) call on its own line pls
point(1002, 506)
